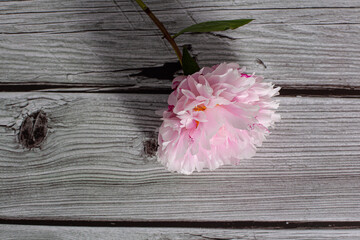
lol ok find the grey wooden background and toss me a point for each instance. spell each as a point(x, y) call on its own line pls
point(96, 68)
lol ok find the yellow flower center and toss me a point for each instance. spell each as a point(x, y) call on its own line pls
point(200, 108)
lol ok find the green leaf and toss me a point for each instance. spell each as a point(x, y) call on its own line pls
point(189, 64)
point(215, 26)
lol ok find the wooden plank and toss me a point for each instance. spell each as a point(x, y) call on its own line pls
point(101, 44)
point(55, 232)
point(92, 165)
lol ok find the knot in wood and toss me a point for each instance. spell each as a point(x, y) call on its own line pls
point(150, 147)
point(33, 130)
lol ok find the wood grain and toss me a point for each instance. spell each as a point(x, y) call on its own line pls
point(102, 44)
point(92, 165)
point(19, 232)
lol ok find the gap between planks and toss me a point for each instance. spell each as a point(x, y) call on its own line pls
point(193, 224)
point(286, 91)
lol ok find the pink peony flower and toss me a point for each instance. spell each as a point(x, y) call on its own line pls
point(216, 116)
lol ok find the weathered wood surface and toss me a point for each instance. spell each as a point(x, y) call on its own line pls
point(101, 44)
point(18, 232)
point(92, 165)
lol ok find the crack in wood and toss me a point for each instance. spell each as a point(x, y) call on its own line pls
point(166, 71)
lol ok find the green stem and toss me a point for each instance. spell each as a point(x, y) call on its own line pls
point(162, 29)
